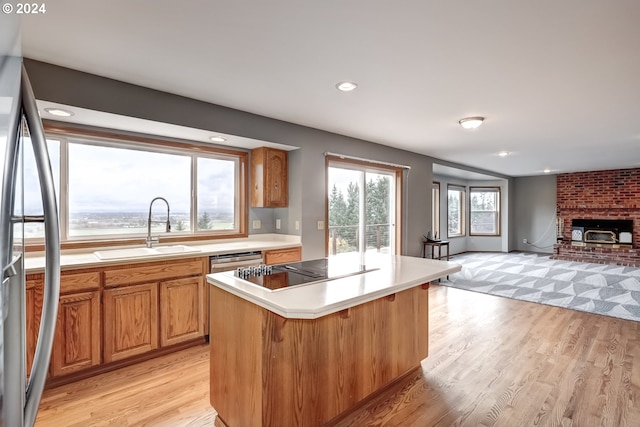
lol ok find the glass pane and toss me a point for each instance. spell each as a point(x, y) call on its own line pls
point(435, 210)
point(378, 212)
point(110, 189)
point(217, 184)
point(454, 214)
point(484, 200)
point(32, 192)
point(484, 222)
point(344, 210)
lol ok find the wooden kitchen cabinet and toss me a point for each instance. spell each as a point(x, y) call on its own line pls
point(282, 256)
point(152, 305)
point(119, 312)
point(33, 314)
point(131, 321)
point(181, 310)
point(77, 338)
point(269, 178)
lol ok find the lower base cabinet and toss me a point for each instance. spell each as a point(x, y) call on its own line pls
point(77, 337)
point(131, 321)
point(181, 310)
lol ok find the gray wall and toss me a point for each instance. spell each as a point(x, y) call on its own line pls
point(307, 180)
point(535, 213)
point(529, 202)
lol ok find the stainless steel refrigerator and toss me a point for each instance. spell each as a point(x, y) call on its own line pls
point(19, 395)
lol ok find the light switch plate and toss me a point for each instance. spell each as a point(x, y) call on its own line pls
point(278, 224)
point(257, 224)
point(297, 225)
point(320, 225)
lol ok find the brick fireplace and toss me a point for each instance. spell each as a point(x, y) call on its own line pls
point(609, 197)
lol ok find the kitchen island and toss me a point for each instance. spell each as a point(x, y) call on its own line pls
point(306, 355)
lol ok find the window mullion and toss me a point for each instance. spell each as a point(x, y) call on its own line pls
point(64, 189)
point(194, 194)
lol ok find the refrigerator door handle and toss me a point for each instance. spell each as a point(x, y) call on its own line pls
point(44, 345)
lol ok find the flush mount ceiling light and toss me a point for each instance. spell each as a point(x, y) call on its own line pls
point(218, 138)
point(346, 86)
point(503, 153)
point(471, 122)
point(547, 170)
point(58, 112)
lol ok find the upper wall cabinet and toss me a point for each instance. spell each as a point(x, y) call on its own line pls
point(269, 188)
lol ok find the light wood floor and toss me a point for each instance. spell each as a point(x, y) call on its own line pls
point(492, 362)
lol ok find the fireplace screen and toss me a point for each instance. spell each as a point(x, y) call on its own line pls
point(599, 236)
point(617, 233)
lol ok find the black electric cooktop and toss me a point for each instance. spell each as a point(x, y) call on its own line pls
point(299, 273)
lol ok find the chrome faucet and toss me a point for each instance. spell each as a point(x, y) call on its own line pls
point(151, 240)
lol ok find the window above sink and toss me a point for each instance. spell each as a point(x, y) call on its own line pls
point(110, 179)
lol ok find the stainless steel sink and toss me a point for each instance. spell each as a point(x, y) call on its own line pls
point(111, 254)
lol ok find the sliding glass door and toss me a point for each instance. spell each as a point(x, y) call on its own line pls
point(361, 208)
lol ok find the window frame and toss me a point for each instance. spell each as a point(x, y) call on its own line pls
point(375, 167)
point(66, 133)
point(486, 189)
point(463, 210)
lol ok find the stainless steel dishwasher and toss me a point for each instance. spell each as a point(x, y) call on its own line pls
point(227, 262)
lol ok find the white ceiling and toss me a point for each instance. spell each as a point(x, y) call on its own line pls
point(558, 81)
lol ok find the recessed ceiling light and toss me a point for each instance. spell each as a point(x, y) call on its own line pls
point(547, 170)
point(218, 138)
point(59, 112)
point(471, 122)
point(503, 153)
point(346, 86)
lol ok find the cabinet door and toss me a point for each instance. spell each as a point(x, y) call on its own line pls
point(277, 191)
point(34, 297)
point(131, 321)
point(77, 337)
point(269, 178)
point(181, 310)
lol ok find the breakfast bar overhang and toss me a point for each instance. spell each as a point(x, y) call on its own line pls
point(307, 355)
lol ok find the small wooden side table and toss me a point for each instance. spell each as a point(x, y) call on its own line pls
point(434, 245)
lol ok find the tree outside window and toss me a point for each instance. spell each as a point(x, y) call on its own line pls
point(455, 211)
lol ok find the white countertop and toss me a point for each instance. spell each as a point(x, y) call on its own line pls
point(395, 273)
point(85, 258)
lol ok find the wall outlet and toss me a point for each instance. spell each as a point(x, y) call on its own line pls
point(525, 241)
point(297, 225)
point(257, 224)
point(278, 224)
point(320, 225)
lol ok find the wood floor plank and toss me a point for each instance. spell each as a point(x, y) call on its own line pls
point(492, 362)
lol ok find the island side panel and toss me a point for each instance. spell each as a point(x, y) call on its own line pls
point(236, 358)
point(316, 370)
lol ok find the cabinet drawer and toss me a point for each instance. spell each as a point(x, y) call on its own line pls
point(74, 282)
point(70, 281)
point(127, 275)
point(281, 256)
